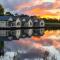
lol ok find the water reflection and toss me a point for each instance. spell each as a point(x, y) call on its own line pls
point(50, 42)
point(7, 35)
point(49, 37)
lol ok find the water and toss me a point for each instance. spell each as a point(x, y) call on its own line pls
point(50, 42)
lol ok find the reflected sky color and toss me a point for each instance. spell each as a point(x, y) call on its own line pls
point(53, 35)
point(35, 42)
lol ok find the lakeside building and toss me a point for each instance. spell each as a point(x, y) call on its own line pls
point(8, 25)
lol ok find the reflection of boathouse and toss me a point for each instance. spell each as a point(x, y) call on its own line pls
point(10, 22)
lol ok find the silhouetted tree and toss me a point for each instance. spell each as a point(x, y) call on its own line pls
point(16, 14)
point(1, 10)
point(8, 14)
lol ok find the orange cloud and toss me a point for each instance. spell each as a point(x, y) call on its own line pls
point(53, 13)
point(38, 11)
point(56, 4)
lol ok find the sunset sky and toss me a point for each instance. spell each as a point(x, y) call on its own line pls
point(44, 8)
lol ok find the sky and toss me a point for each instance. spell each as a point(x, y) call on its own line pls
point(43, 8)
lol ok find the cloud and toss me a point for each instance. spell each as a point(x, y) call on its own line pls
point(54, 37)
point(48, 1)
point(35, 7)
point(29, 8)
point(34, 3)
point(32, 6)
point(22, 6)
point(12, 3)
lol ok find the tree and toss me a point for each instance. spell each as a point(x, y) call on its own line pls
point(8, 14)
point(16, 14)
point(1, 10)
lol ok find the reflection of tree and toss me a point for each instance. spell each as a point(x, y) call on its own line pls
point(1, 48)
point(1, 44)
point(46, 54)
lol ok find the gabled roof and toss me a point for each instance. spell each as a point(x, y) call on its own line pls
point(24, 17)
point(6, 18)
